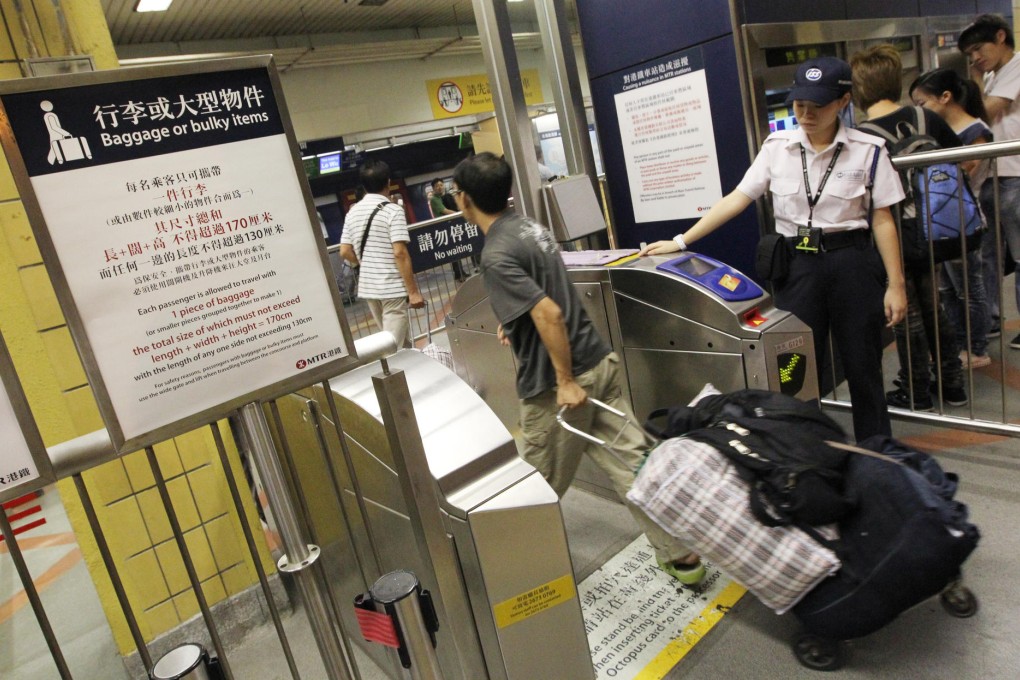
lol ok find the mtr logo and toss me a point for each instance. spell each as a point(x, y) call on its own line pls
point(311, 361)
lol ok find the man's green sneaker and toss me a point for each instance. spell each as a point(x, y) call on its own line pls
point(689, 575)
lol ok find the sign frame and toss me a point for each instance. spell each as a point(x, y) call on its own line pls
point(29, 430)
point(296, 381)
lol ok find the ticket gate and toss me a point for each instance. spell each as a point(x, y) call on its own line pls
point(676, 322)
point(430, 482)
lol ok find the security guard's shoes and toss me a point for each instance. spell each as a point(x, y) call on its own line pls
point(688, 574)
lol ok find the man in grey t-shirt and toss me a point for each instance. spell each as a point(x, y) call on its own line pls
point(560, 357)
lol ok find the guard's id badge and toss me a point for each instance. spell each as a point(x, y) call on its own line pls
point(808, 239)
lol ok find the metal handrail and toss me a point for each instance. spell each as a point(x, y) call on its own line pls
point(957, 155)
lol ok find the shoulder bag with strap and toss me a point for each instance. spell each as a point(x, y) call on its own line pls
point(368, 226)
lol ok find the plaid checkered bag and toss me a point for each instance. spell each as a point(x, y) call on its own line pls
point(693, 492)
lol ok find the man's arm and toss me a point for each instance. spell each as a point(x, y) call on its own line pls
point(548, 319)
point(438, 208)
point(347, 252)
point(996, 107)
point(403, 261)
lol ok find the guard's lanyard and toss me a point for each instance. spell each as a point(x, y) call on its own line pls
point(812, 202)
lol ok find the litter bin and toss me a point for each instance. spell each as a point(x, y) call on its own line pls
point(187, 662)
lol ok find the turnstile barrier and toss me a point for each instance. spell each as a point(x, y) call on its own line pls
point(430, 482)
point(675, 325)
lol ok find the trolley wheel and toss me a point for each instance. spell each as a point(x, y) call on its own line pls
point(959, 601)
point(819, 654)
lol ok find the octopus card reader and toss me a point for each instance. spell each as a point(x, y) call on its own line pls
point(721, 279)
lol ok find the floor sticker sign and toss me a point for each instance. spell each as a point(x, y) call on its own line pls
point(640, 622)
point(178, 229)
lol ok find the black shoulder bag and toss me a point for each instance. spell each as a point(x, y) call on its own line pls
point(772, 259)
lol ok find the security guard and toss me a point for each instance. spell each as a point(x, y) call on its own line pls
point(819, 176)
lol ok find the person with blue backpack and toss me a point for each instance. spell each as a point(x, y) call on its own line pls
point(877, 77)
point(958, 102)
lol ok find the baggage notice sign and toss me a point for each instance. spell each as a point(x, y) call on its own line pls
point(179, 232)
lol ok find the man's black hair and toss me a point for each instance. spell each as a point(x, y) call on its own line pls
point(984, 30)
point(374, 175)
point(436, 181)
point(487, 179)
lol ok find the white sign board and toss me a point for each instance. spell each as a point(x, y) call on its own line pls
point(669, 142)
point(191, 267)
point(24, 466)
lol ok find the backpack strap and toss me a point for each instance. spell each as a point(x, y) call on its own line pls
point(864, 452)
point(920, 122)
point(871, 184)
point(889, 137)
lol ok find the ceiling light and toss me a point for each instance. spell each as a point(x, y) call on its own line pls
point(152, 5)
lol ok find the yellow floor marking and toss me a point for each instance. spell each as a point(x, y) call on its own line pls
point(676, 650)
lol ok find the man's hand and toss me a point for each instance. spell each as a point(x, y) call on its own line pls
point(415, 300)
point(570, 394)
point(503, 340)
point(660, 248)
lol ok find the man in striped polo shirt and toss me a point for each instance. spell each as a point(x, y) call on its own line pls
point(375, 240)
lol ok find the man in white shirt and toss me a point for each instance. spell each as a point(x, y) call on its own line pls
point(375, 237)
point(988, 44)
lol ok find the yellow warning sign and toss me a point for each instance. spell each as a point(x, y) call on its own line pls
point(536, 600)
point(462, 95)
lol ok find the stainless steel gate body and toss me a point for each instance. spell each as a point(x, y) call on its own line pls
point(497, 542)
point(672, 334)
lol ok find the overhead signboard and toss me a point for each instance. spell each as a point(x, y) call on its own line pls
point(24, 465)
point(464, 95)
point(177, 226)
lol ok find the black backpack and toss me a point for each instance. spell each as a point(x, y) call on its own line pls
point(933, 208)
point(778, 444)
point(905, 542)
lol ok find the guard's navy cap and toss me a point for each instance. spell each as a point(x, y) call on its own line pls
point(821, 81)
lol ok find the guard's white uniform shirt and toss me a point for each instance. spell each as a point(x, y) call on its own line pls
point(1005, 83)
point(843, 204)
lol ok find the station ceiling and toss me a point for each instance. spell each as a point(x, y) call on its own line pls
point(311, 33)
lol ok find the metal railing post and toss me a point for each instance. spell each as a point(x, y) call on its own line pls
point(300, 555)
point(401, 591)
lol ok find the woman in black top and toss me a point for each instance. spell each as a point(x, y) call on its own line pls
point(877, 76)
